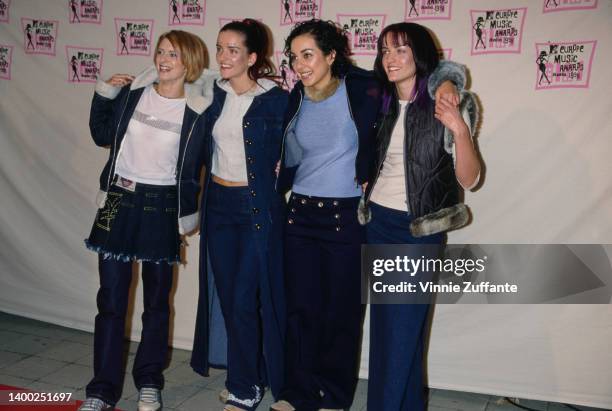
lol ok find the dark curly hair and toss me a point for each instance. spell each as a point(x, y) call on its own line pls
point(257, 40)
point(329, 37)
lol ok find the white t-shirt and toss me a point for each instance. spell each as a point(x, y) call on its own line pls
point(150, 148)
point(390, 188)
point(229, 158)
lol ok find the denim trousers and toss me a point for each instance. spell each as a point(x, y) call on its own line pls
point(112, 301)
point(324, 312)
point(397, 331)
point(235, 263)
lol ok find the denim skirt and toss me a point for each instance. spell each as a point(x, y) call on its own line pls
point(138, 223)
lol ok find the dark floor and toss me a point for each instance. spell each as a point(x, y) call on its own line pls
point(49, 358)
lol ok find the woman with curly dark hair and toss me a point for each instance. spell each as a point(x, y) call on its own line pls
point(329, 130)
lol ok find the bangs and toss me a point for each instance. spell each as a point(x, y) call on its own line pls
point(398, 38)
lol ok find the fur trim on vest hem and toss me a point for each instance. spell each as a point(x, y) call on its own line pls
point(447, 219)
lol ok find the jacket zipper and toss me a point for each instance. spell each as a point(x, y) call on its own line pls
point(383, 158)
point(406, 154)
point(348, 102)
point(111, 170)
point(285, 138)
point(180, 174)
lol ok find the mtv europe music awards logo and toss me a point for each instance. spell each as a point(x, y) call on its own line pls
point(497, 31)
point(186, 12)
point(564, 65)
point(39, 36)
point(293, 11)
point(84, 64)
point(6, 58)
point(134, 36)
point(4, 10)
point(288, 78)
point(85, 11)
point(427, 10)
point(362, 30)
point(564, 5)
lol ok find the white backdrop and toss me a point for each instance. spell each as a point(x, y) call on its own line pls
point(547, 154)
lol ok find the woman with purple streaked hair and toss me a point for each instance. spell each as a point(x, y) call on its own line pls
point(424, 156)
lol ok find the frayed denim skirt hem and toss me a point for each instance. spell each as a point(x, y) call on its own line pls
point(138, 225)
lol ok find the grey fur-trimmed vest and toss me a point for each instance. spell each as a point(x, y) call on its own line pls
point(431, 185)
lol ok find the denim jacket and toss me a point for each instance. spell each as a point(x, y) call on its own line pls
point(111, 111)
point(262, 134)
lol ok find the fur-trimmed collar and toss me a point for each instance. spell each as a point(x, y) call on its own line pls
point(198, 95)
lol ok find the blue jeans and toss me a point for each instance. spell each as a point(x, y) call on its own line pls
point(234, 259)
point(397, 331)
point(115, 280)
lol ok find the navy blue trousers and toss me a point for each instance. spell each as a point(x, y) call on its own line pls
point(397, 331)
point(112, 300)
point(234, 258)
point(324, 311)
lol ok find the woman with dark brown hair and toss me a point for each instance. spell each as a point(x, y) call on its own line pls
point(424, 157)
point(330, 126)
point(242, 217)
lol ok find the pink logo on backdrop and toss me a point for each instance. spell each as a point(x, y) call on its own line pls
point(428, 10)
point(362, 30)
point(564, 64)
point(4, 10)
point(186, 12)
point(6, 59)
point(83, 63)
point(293, 11)
point(564, 5)
point(85, 11)
point(134, 36)
point(39, 36)
point(497, 31)
point(224, 20)
point(445, 54)
point(288, 77)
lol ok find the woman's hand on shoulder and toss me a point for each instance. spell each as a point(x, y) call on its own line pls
point(447, 91)
point(449, 115)
point(120, 80)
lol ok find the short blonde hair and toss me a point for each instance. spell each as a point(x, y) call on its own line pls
point(194, 55)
